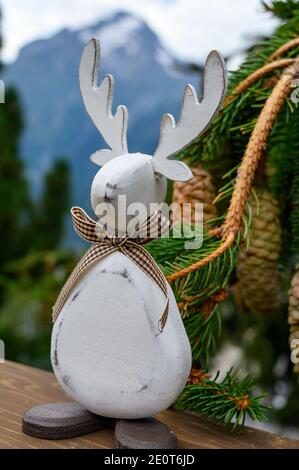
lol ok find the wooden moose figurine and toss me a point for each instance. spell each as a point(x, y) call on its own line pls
point(119, 348)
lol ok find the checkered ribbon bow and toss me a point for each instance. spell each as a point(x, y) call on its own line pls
point(104, 244)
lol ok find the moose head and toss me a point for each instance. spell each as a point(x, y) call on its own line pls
point(139, 177)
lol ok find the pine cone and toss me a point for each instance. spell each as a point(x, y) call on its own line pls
point(199, 189)
point(257, 268)
point(293, 318)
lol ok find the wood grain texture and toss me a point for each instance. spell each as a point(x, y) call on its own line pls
point(22, 387)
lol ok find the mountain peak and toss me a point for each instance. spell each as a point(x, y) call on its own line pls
point(115, 31)
point(121, 14)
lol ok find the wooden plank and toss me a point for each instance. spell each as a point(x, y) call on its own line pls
point(22, 387)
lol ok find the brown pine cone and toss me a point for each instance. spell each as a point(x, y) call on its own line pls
point(199, 189)
point(257, 267)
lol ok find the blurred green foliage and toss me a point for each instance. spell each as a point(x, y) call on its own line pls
point(31, 285)
point(32, 266)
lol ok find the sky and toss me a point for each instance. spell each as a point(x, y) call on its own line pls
point(189, 29)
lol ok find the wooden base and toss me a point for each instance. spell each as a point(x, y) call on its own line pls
point(22, 387)
point(69, 419)
point(143, 434)
point(61, 421)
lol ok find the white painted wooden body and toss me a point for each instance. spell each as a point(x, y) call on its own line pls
point(107, 352)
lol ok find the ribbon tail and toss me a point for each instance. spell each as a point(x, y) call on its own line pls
point(84, 225)
point(164, 316)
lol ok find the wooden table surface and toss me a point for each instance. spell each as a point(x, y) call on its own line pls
point(22, 387)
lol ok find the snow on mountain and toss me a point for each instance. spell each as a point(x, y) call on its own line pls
point(123, 31)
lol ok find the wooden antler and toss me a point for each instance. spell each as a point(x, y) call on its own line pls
point(195, 117)
point(98, 103)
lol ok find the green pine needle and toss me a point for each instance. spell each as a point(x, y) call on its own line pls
point(196, 288)
point(203, 333)
point(227, 402)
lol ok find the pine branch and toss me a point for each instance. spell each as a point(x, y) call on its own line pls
point(227, 402)
point(249, 91)
point(203, 330)
point(256, 146)
point(247, 116)
point(200, 291)
point(284, 9)
point(282, 175)
point(238, 117)
point(198, 286)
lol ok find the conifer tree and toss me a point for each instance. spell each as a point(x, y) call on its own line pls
point(49, 220)
point(13, 188)
point(255, 138)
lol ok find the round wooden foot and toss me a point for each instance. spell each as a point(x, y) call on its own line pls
point(61, 421)
point(143, 434)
